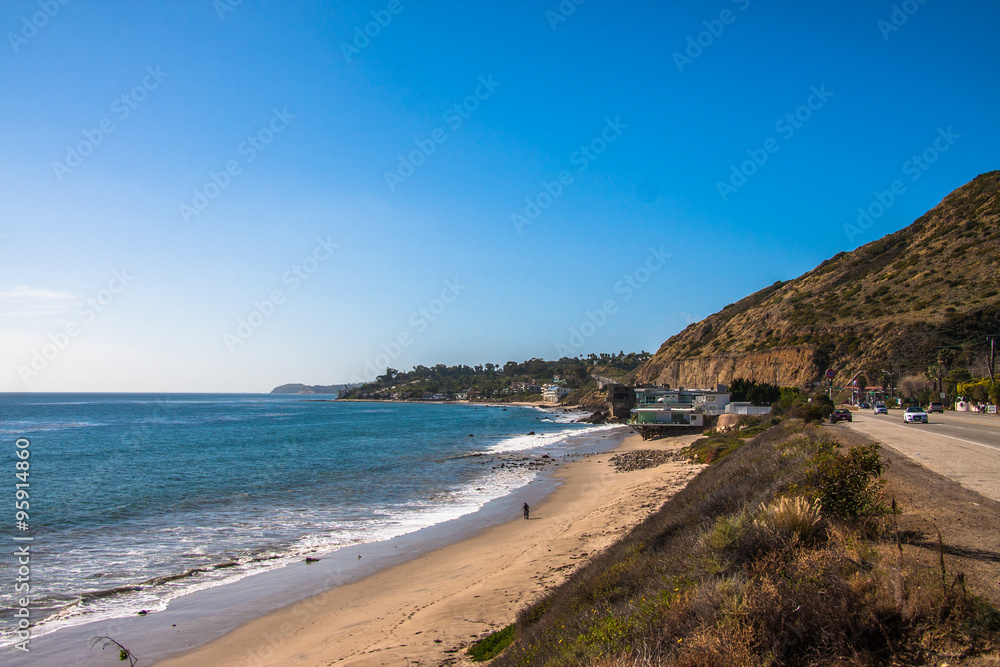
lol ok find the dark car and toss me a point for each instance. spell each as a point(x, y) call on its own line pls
point(841, 415)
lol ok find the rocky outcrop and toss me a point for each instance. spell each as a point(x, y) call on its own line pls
point(788, 367)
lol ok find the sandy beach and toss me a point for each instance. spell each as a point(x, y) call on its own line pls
point(429, 610)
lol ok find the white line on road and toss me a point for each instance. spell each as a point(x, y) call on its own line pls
point(979, 444)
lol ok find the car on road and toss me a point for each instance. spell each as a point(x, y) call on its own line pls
point(865, 406)
point(841, 415)
point(880, 409)
point(935, 406)
point(915, 414)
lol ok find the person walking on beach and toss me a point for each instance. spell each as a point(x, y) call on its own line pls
point(525, 508)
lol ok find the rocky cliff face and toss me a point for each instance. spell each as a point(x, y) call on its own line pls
point(891, 305)
point(788, 366)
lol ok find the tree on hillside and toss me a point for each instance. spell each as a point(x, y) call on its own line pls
point(390, 374)
point(912, 386)
point(980, 391)
point(758, 393)
point(862, 382)
point(822, 359)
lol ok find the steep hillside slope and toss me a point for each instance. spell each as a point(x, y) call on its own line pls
point(888, 305)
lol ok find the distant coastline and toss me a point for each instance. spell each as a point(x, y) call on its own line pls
point(297, 388)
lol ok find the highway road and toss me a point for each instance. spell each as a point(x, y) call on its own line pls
point(962, 446)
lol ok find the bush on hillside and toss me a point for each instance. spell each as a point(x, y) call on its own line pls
point(810, 410)
point(758, 561)
point(849, 486)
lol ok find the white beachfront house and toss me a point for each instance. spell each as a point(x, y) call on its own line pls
point(711, 402)
point(677, 407)
point(668, 416)
point(553, 392)
point(747, 409)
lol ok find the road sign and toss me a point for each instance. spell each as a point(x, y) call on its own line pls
point(831, 373)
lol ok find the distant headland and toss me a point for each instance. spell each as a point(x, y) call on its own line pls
point(310, 388)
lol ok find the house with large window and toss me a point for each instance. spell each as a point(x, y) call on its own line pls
point(708, 401)
point(661, 407)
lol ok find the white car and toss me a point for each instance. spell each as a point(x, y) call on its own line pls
point(880, 409)
point(915, 414)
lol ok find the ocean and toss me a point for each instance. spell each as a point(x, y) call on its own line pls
point(137, 500)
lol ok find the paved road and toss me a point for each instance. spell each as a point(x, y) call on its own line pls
point(962, 446)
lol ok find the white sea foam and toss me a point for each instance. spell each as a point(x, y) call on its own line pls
point(390, 522)
point(523, 443)
point(320, 532)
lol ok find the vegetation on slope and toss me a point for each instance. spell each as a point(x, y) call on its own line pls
point(925, 296)
point(495, 382)
point(783, 552)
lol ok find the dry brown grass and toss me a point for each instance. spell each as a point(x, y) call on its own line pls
point(742, 568)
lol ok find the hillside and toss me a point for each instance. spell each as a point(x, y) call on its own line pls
point(889, 305)
point(512, 381)
point(788, 549)
point(309, 389)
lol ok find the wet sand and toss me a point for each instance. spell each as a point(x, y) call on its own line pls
point(432, 608)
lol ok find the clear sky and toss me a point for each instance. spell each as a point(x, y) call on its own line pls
point(228, 196)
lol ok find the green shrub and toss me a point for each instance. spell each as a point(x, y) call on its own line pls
point(490, 646)
point(849, 485)
point(713, 448)
point(794, 406)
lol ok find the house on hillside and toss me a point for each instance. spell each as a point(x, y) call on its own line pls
point(553, 393)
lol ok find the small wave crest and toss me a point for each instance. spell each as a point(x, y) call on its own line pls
point(521, 443)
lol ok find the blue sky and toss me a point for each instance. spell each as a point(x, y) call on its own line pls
point(212, 196)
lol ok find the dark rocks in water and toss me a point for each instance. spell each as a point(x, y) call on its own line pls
point(310, 559)
point(599, 416)
point(471, 436)
point(531, 433)
point(546, 456)
point(142, 612)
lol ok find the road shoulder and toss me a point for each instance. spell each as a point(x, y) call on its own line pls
point(968, 521)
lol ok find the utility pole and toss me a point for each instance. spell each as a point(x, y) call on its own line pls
point(944, 358)
point(889, 373)
point(991, 367)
